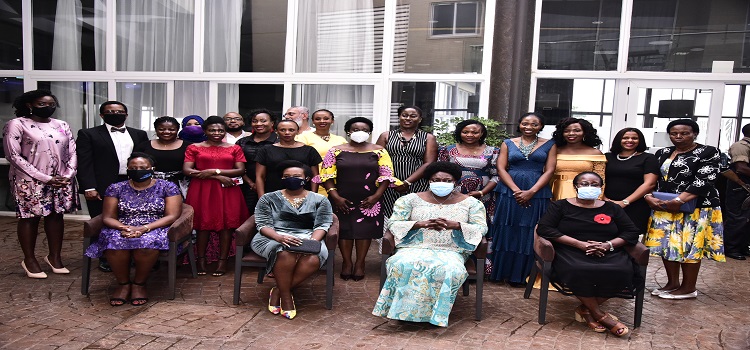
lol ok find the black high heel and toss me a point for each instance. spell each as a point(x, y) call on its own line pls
point(201, 266)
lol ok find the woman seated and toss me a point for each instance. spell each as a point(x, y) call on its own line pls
point(590, 263)
point(284, 219)
point(136, 214)
point(435, 232)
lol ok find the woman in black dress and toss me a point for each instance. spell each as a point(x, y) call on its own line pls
point(634, 173)
point(355, 175)
point(262, 135)
point(267, 177)
point(167, 150)
point(590, 263)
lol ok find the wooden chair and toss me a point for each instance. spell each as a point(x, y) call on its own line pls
point(476, 271)
point(544, 253)
point(179, 234)
point(247, 257)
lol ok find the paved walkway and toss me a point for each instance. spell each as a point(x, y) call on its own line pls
point(52, 313)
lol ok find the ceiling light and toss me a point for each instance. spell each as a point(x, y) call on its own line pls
point(660, 42)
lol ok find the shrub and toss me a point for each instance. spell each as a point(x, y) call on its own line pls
point(443, 131)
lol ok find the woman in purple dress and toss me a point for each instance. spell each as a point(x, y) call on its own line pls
point(137, 214)
point(42, 156)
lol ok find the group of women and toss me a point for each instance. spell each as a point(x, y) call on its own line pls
point(437, 201)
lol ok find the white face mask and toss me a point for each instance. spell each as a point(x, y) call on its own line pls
point(359, 136)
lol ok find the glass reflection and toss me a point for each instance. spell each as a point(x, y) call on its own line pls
point(11, 47)
point(69, 35)
point(440, 101)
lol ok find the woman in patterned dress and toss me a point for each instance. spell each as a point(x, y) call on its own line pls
point(435, 232)
point(682, 240)
point(136, 214)
point(42, 156)
point(355, 176)
point(411, 150)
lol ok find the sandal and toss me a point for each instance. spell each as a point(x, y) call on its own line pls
point(221, 270)
point(119, 301)
point(139, 301)
point(617, 328)
point(201, 266)
point(583, 315)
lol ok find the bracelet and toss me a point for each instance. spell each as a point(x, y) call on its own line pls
point(611, 246)
point(147, 228)
point(407, 182)
point(331, 189)
point(481, 193)
point(678, 200)
point(647, 194)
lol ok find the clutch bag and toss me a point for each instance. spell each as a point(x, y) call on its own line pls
point(687, 207)
point(308, 246)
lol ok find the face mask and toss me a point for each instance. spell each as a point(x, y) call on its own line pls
point(359, 136)
point(589, 192)
point(292, 183)
point(43, 112)
point(114, 119)
point(140, 175)
point(441, 189)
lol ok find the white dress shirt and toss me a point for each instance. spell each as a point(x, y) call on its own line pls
point(229, 138)
point(123, 147)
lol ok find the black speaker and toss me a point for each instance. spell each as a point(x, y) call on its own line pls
point(676, 108)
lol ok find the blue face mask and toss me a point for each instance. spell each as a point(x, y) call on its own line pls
point(441, 189)
point(589, 192)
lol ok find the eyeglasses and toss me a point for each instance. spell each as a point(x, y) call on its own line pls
point(236, 119)
point(115, 112)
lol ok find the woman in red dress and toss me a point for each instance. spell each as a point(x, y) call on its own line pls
point(215, 167)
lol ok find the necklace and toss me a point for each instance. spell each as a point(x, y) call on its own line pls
point(626, 158)
point(295, 202)
point(325, 138)
point(403, 139)
point(440, 204)
point(165, 145)
point(526, 150)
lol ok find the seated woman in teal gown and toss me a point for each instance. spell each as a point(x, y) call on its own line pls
point(435, 232)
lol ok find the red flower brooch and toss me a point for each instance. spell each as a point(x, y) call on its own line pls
point(602, 219)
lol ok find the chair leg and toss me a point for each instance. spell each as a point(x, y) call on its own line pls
point(383, 270)
point(543, 291)
point(191, 259)
point(639, 299)
point(86, 269)
point(480, 288)
point(237, 274)
point(532, 278)
point(465, 287)
point(329, 279)
point(172, 269)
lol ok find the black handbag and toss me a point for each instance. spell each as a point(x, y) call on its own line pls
point(308, 246)
point(687, 207)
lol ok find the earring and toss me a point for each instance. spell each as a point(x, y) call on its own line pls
point(584, 138)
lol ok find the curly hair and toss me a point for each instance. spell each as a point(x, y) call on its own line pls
point(166, 119)
point(460, 128)
point(617, 141)
point(348, 124)
point(449, 168)
point(590, 138)
point(19, 104)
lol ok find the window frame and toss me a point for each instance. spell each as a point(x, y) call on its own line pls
point(477, 19)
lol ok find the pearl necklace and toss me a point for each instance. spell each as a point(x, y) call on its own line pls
point(624, 159)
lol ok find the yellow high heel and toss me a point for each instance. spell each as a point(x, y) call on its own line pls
point(291, 313)
point(273, 309)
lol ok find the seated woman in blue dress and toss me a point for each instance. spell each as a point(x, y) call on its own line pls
point(435, 232)
point(284, 218)
point(136, 214)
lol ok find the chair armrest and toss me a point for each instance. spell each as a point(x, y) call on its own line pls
point(543, 248)
point(332, 237)
point(639, 252)
point(481, 251)
point(389, 243)
point(93, 226)
point(183, 226)
point(245, 233)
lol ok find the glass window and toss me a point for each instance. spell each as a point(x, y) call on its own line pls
point(69, 35)
point(579, 34)
point(339, 36)
point(345, 101)
point(244, 98)
point(190, 97)
point(654, 116)
point(689, 35)
point(155, 36)
point(439, 101)
point(245, 36)
point(442, 37)
point(10, 88)
point(79, 102)
point(145, 102)
point(11, 47)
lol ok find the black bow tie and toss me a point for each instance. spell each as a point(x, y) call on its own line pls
point(113, 129)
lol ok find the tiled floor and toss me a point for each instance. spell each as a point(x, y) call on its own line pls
point(52, 313)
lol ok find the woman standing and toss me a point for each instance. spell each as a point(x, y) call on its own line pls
point(262, 135)
point(213, 193)
point(682, 239)
point(525, 167)
point(635, 172)
point(411, 150)
point(478, 162)
point(192, 130)
point(576, 140)
point(355, 175)
point(42, 156)
point(267, 177)
point(167, 150)
point(321, 138)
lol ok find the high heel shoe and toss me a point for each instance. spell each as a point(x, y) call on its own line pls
point(201, 266)
point(38, 275)
point(221, 269)
point(61, 270)
point(291, 313)
point(273, 309)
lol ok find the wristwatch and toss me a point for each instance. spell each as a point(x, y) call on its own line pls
point(218, 171)
point(611, 247)
point(626, 202)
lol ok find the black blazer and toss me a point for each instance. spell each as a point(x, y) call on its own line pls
point(98, 165)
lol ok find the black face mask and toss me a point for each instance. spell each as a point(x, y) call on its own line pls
point(140, 175)
point(292, 183)
point(43, 112)
point(114, 119)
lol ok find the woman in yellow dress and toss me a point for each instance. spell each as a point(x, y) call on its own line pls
point(576, 141)
point(321, 138)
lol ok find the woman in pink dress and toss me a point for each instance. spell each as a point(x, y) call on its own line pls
point(215, 167)
point(42, 156)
